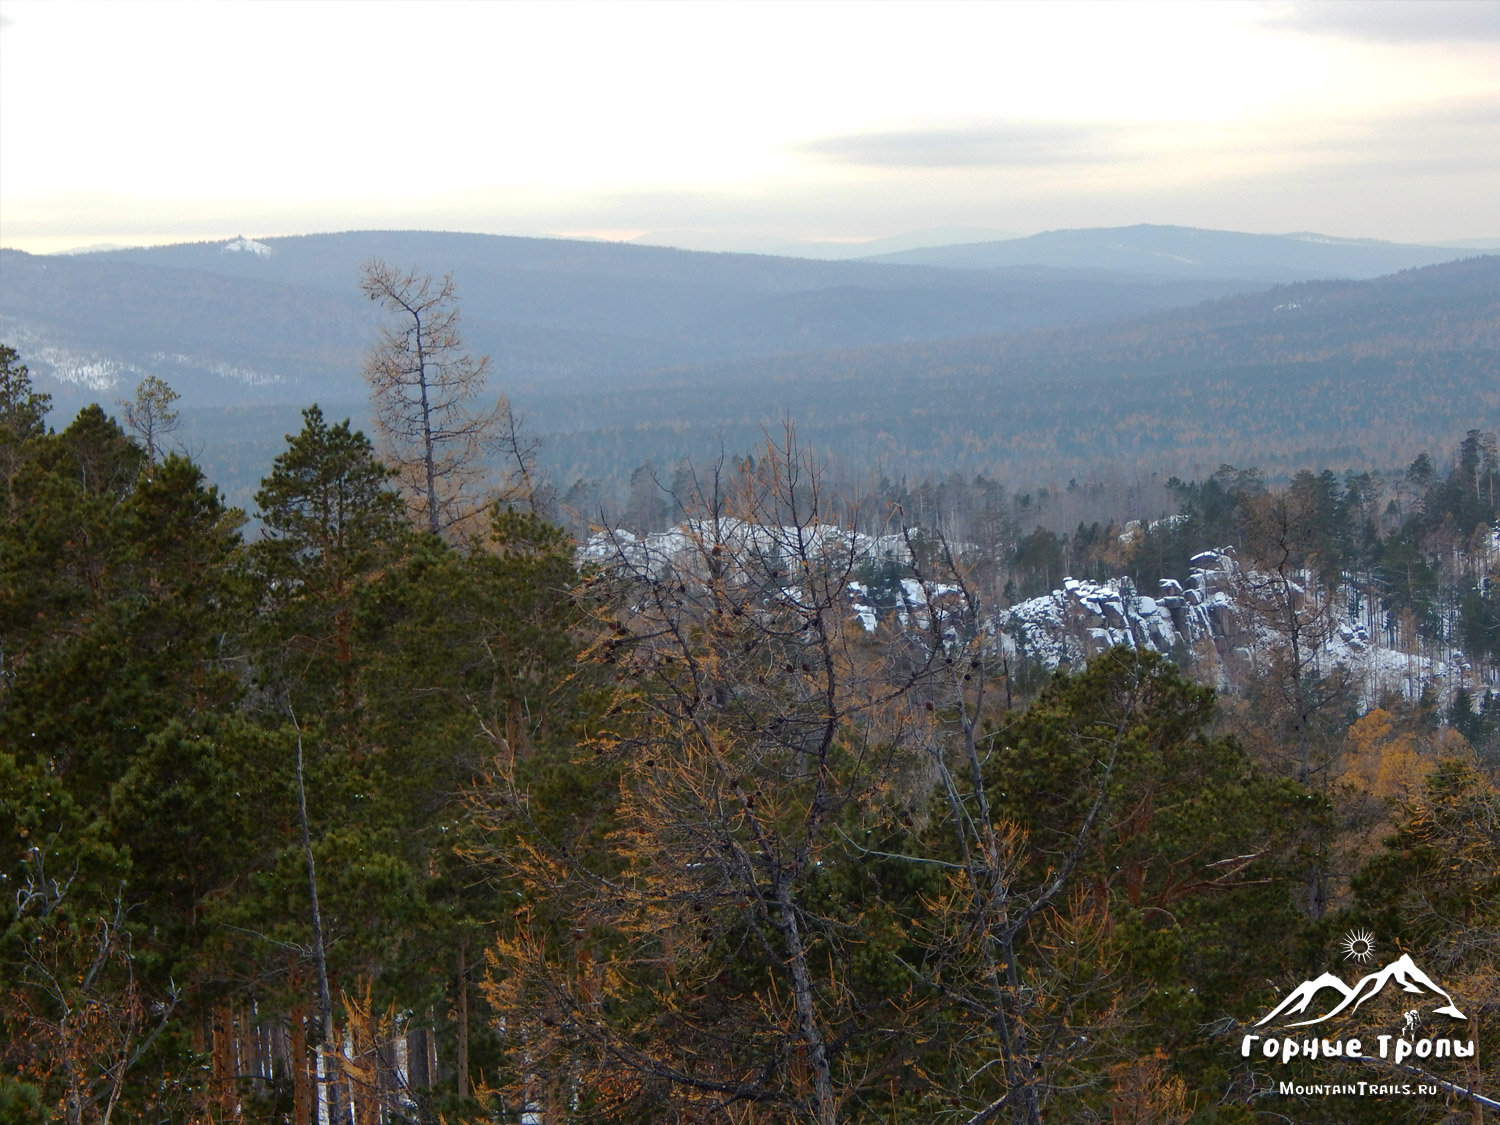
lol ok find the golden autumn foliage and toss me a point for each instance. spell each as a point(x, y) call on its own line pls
point(1390, 760)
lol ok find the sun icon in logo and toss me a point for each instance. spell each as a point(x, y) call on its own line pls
point(1358, 945)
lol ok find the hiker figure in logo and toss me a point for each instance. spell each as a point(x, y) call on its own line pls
point(1413, 1018)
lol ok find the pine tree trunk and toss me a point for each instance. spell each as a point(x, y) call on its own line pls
point(462, 1061)
point(250, 1048)
point(418, 1077)
point(328, 1050)
point(223, 1057)
point(302, 1100)
point(387, 1084)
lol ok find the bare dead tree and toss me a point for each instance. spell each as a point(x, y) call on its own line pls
point(427, 391)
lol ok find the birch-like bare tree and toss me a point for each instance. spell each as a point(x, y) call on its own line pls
point(428, 392)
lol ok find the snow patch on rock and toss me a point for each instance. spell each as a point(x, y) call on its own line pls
point(243, 245)
point(1205, 623)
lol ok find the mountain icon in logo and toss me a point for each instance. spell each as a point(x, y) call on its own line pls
point(1301, 997)
point(1402, 971)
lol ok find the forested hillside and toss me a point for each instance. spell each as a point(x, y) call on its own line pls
point(278, 320)
point(626, 356)
point(1357, 375)
point(352, 821)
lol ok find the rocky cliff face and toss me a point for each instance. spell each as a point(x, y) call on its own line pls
point(1212, 625)
point(1219, 623)
point(1196, 620)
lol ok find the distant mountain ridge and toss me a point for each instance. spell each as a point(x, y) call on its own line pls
point(1172, 251)
point(544, 309)
point(622, 355)
point(279, 319)
point(826, 251)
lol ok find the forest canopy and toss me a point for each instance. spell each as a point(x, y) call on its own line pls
point(349, 817)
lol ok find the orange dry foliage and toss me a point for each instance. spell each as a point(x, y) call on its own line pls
point(1391, 760)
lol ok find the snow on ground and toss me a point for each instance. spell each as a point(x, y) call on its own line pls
point(677, 545)
point(690, 546)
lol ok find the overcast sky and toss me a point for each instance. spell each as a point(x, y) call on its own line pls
point(742, 124)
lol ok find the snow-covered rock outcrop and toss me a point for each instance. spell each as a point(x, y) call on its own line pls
point(1213, 625)
point(1222, 623)
point(1195, 619)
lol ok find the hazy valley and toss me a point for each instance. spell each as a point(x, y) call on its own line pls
point(1073, 354)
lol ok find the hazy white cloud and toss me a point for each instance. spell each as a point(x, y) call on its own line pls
point(133, 121)
point(1458, 137)
point(1394, 21)
point(1000, 144)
